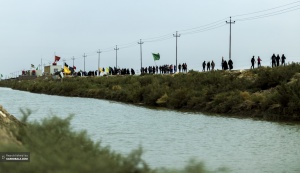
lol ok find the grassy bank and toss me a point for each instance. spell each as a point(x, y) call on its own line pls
point(55, 148)
point(266, 93)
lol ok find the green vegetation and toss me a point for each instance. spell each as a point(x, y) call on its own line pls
point(55, 148)
point(265, 93)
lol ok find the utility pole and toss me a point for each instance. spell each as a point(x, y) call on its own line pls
point(230, 22)
point(99, 62)
point(116, 49)
point(73, 60)
point(84, 62)
point(140, 43)
point(177, 35)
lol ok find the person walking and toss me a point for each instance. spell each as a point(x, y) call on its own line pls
point(203, 65)
point(222, 63)
point(258, 62)
point(212, 65)
point(277, 60)
point(230, 63)
point(225, 65)
point(273, 58)
point(283, 60)
point(208, 66)
point(179, 67)
point(252, 62)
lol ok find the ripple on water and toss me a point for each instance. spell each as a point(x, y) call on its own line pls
point(171, 138)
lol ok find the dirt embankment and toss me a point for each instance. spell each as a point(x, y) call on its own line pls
point(8, 123)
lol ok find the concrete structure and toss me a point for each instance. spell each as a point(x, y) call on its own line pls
point(51, 69)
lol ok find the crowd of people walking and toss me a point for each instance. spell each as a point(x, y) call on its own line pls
point(169, 69)
point(275, 60)
point(164, 69)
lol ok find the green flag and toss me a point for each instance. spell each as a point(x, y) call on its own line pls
point(37, 68)
point(156, 56)
point(1, 75)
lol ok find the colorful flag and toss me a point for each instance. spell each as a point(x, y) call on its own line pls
point(56, 58)
point(156, 56)
point(67, 70)
point(66, 65)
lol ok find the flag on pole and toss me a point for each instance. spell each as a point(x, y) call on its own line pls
point(32, 66)
point(156, 56)
point(67, 70)
point(56, 58)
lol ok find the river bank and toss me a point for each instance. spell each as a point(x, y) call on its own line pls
point(264, 93)
point(54, 145)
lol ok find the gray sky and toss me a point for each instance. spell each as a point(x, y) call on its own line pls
point(37, 29)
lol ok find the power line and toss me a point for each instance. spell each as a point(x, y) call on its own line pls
point(205, 29)
point(266, 9)
point(161, 39)
point(270, 14)
point(206, 25)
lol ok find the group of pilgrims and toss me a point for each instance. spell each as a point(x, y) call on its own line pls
point(224, 64)
point(274, 59)
point(164, 69)
point(169, 69)
point(109, 70)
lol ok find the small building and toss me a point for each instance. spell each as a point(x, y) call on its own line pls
point(30, 74)
point(51, 69)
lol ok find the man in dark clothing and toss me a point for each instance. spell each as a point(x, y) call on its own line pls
point(230, 63)
point(283, 59)
point(179, 68)
point(277, 59)
point(222, 63)
point(273, 58)
point(203, 65)
point(212, 65)
point(208, 66)
point(132, 71)
point(252, 62)
point(225, 65)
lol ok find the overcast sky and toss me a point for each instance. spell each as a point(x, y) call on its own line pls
point(39, 29)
